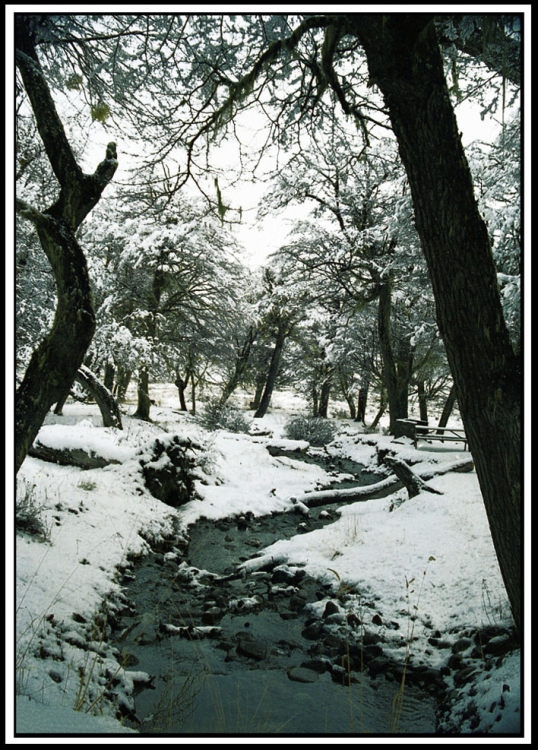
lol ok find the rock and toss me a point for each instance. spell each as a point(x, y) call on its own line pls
point(211, 616)
point(312, 632)
point(376, 619)
point(368, 638)
point(317, 665)
point(248, 646)
point(463, 676)
point(302, 674)
point(331, 608)
point(462, 644)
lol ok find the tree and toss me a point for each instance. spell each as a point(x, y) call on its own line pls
point(302, 70)
point(54, 364)
point(405, 64)
point(168, 286)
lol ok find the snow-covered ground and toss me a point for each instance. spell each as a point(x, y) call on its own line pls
point(432, 554)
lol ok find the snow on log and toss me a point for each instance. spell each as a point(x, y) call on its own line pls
point(370, 491)
point(407, 476)
point(70, 456)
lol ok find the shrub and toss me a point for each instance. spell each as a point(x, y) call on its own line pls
point(216, 416)
point(316, 430)
point(28, 513)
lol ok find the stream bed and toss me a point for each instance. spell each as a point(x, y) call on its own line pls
point(231, 652)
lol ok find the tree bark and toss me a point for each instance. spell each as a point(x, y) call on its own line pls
point(274, 367)
point(396, 374)
point(405, 62)
point(55, 362)
point(123, 379)
point(361, 404)
point(108, 406)
point(240, 366)
point(381, 410)
point(422, 401)
point(447, 408)
point(69, 456)
point(144, 401)
point(181, 386)
point(324, 396)
point(108, 379)
point(260, 383)
point(412, 481)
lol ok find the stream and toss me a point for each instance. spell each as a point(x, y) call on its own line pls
point(237, 653)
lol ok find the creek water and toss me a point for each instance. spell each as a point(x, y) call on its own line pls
point(237, 654)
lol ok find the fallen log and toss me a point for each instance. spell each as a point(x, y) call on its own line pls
point(407, 476)
point(462, 465)
point(368, 492)
point(70, 456)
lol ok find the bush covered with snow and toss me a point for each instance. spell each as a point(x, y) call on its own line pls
point(216, 416)
point(316, 430)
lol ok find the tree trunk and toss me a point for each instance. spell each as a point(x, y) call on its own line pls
point(108, 380)
point(412, 481)
point(104, 399)
point(381, 410)
point(122, 383)
point(324, 395)
point(54, 363)
point(193, 395)
point(144, 402)
point(405, 63)
point(447, 409)
point(59, 408)
point(260, 383)
point(272, 375)
point(240, 366)
point(422, 402)
point(361, 405)
point(181, 386)
point(315, 400)
point(69, 456)
point(396, 376)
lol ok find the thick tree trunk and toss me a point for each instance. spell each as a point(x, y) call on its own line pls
point(69, 456)
point(144, 402)
point(272, 375)
point(405, 62)
point(447, 408)
point(108, 406)
point(55, 362)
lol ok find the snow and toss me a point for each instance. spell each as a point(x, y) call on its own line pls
point(431, 555)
